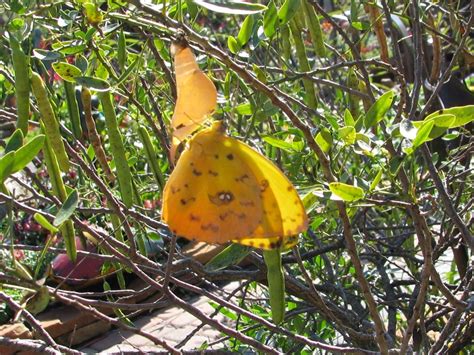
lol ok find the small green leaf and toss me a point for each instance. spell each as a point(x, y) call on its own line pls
point(270, 20)
point(233, 7)
point(288, 10)
point(26, 153)
point(43, 222)
point(231, 255)
point(379, 109)
point(233, 44)
point(347, 192)
point(66, 71)
point(377, 179)
point(244, 109)
point(348, 119)
point(15, 141)
point(347, 134)
point(395, 164)
point(246, 30)
point(423, 134)
point(278, 143)
point(128, 71)
point(464, 115)
point(407, 129)
point(93, 13)
point(93, 83)
point(67, 209)
point(6, 164)
point(324, 140)
point(445, 120)
point(38, 302)
point(45, 55)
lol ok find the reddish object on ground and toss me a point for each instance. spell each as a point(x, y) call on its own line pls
point(83, 270)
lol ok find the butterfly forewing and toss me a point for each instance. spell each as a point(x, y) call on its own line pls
point(212, 195)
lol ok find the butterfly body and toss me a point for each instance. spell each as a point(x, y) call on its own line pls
point(223, 190)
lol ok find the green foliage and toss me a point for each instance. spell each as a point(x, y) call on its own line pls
point(303, 84)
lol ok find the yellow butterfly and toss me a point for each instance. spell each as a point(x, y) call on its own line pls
point(223, 190)
point(197, 95)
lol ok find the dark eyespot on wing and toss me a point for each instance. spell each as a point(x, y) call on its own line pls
point(213, 173)
point(197, 172)
point(263, 185)
point(289, 188)
point(230, 156)
point(222, 198)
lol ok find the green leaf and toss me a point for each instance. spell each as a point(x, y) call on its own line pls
point(26, 153)
point(231, 255)
point(38, 302)
point(395, 165)
point(464, 115)
point(128, 71)
point(347, 134)
point(348, 119)
point(407, 129)
point(347, 192)
point(324, 140)
point(67, 209)
point(288, 10)
point(233, 7)
point(66, 71)
point(270, 20)
point(423, 134)
point(278, 143)
point(244, 109)
point(245, 31)
point(15, 141)
point(233, 44)
point(6, 164)
point(377, 179)
point(45, 55)
point(379, 109)
point(45, 223)
point(445, 120)
point(93, 83)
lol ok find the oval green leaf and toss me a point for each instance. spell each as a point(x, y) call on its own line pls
point(43, 222)
point(93, 83)
point(26, 153)
point(379, 109)
point(347, 192)
point(347, 134)
point(67, 209)
point(288, 10)
point(245, 31)
point(15, 141)
point(270, 20)
point(66, 71)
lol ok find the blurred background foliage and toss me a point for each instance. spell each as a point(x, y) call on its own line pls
point(345, 91)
